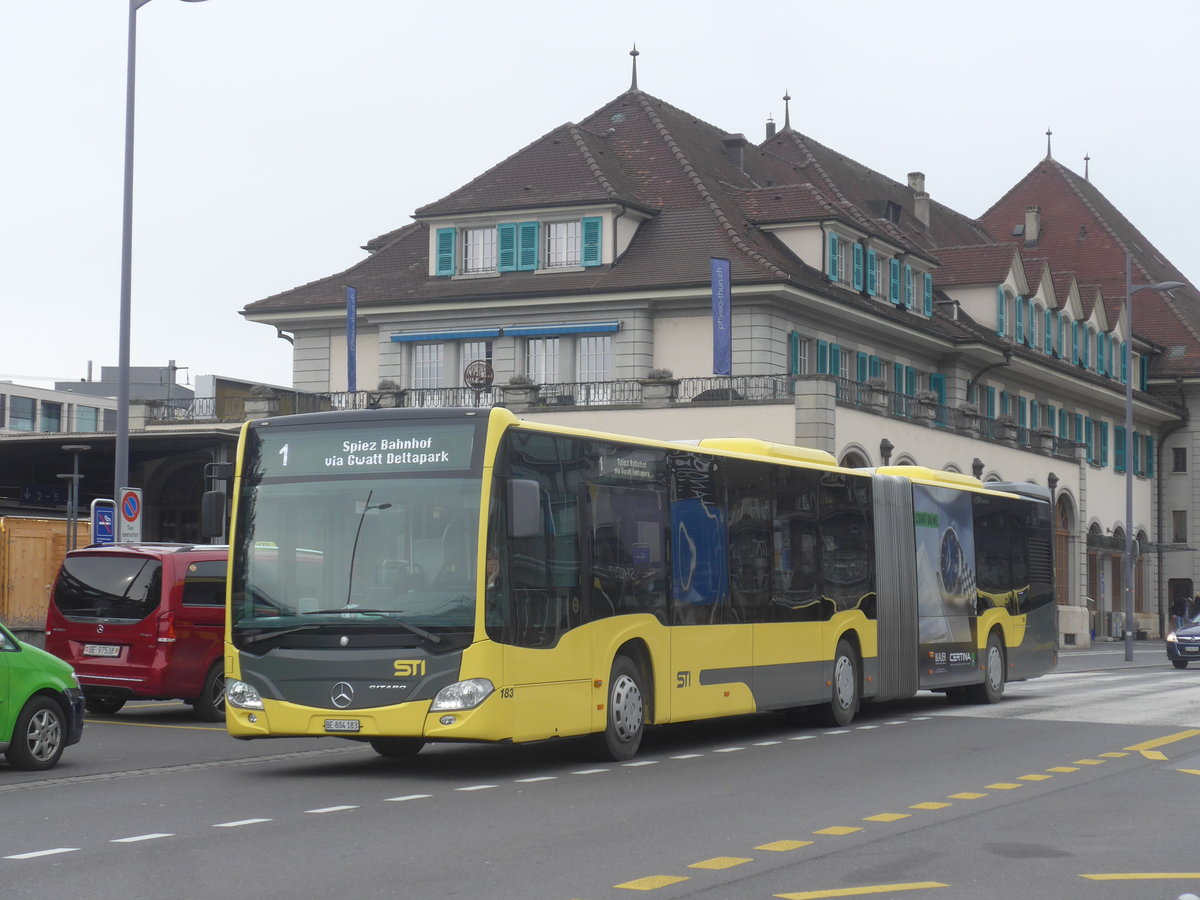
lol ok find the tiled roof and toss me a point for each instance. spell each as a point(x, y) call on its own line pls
point(1082, 232)
point(980, 264)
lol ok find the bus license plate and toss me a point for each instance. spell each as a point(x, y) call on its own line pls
point(341, 725)
point(111, 650)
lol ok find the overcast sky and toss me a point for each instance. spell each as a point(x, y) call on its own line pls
point(276, 137)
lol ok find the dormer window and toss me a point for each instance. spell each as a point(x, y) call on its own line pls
point(518, 247)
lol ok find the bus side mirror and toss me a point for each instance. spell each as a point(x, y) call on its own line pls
point(524, 508)
point(212, 514)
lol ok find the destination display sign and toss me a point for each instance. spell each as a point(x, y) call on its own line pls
point(365, 448)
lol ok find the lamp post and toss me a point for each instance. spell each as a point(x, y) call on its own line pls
point(1130, 290)
point(73, 493)
point(121, 451)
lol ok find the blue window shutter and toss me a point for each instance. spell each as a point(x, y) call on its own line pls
point(1005, 403)
point(1001, 313)
point(1100, 362)
point(506, 247)
point(835, 359)
point(898, 378)
point(1078, 438)
point(937, 384)
point(1034, 412)
point(928, 294)
point(1049, 337)
point(862, 366)
point(1050, 420)
point(894, 280)
point(1124, 362)
point(1119, 448)
point(1022, 412)
point(858, 267)
point(592, 232)
point(872, 273)
point(822, 357)
point(908, 286)
point(1143, 372)
point(1064, 427)
point(527, 246)
point(875, 367)
point(1075, 342)
point(991, 402)
point(793, 353)
point(1103, 443)
point(1137, 453)
point(445, 251)
point(910, 381)
point(833, 256)
point(1149, 456)
point(1019, 325)
point(1088, 439)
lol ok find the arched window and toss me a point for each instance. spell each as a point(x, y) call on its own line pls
point(1063, 524)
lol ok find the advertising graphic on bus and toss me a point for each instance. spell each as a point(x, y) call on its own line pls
point(408, 576)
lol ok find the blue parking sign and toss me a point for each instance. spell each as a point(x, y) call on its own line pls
point(104, 522)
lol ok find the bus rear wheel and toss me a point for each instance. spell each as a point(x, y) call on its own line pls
point(397, 748)
point(844, 698)
point(626, 712)
point(992, 688)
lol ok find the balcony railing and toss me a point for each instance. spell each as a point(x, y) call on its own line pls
point(716, 390)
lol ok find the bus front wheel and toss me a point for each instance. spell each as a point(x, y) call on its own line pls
point(992, 688)
point(626, 713)
point(844, 699)
point(397, 748)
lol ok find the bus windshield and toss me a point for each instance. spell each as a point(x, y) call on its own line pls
point(391, 551)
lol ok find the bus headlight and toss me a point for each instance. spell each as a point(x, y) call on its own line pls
point(462, 695)
point(242, 695)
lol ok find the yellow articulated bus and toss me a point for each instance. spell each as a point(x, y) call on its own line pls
point(406, 576)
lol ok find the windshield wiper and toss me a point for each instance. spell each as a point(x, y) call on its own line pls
point(388, 614)
point(267, 635)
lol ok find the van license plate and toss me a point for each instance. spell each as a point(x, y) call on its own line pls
point(101, 650)
point(341, 725)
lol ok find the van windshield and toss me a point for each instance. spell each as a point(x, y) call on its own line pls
point(108, 587)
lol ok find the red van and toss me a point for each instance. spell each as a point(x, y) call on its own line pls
point(142, 621)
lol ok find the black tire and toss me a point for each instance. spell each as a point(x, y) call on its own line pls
point(39, 736)
point(992, 688)
point(1179, 663)
point(625, 712)
point(845, 692)
point(105, 706)
point(397, 748)
point(210, 705)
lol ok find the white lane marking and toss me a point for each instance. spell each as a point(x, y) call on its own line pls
point(407, 797)
point(537, 778)
point(640, 762)
point(864, 727)
point(139, 837)
point(897, 722)
point(476, 787)
point(329, 809)
point(802, 737)
point(240, 823)
point(838, 731)
point(729, 750)
point(590, 771)
point(766, 743)
point(688, 756)
point(37, 853)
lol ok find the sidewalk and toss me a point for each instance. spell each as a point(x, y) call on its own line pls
point(1111, 655)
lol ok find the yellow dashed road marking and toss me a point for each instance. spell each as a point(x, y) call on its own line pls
point(780, 846)
point(1089, 762)
point(1114, 755)
point(930, 805)
point(863, 891)
point(838, 829)
point(651, 882)
point(1190, 771)
point(1035, 777)
point(1004, 786)
point(1140, 876)
point(887, 817)
point(721, 862)
point(966, 795)
point(1063, 769)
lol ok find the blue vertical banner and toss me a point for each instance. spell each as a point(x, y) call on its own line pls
point(722, 318)
point(351, 339)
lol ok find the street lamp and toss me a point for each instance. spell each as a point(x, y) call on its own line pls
point(121, 453)
point(73, 493)
point(1130, 290)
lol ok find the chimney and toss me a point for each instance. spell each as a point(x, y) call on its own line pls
point(1033, 225)
point(916, 183)
point(770, 128)
point(735, 148)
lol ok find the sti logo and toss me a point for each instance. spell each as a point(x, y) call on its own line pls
point(408, 668)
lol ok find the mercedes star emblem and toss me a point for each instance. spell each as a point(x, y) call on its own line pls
point(342, 695)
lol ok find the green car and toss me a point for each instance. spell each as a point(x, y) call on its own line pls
point(41, 705)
